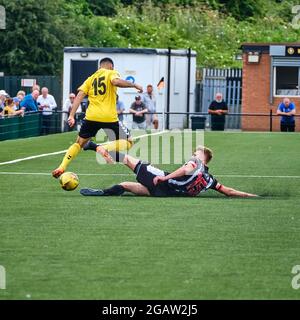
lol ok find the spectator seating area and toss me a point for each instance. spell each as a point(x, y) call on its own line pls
point(26, 115)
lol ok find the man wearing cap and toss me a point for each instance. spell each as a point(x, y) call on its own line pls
point(138, 110)
point(16, 103)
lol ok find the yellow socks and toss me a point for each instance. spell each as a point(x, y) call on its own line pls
point(118, 145)
point(72, 152)
point(70, 155)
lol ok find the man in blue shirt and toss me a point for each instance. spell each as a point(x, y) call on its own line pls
point(29, 103)
point(287, 111)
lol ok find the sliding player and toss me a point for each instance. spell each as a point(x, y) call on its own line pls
point(189, 180)
point(101, 89)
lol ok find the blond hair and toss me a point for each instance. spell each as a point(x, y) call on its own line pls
point(207, 152)
point(21, 92)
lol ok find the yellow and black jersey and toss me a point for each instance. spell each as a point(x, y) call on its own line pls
point(102, 96)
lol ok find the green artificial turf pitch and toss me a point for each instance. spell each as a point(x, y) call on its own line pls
point(59, 245)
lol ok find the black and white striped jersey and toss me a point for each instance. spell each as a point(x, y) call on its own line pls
point(199, 180)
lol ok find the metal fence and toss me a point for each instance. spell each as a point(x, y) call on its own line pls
point(35, 124)
point(12, 84)
point(226, 81)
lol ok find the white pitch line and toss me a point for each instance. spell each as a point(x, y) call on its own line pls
point(64, 151)
point(131, 174)
point(33, 157)
point(79, 174)
point(252, 176)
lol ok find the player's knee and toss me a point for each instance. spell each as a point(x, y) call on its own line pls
point(125, 185)
point(81, 142)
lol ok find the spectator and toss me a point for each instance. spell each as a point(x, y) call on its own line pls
point(150, 103)
point(287, 111)
point(68, 103)
point(46, 104)
point(29, 104)
point(138, 110)
point(218, 109)
point(16, 102)
point(9, 108)
point(3, 96)
point(120, 109)
point(36, 87)
point(67, 108)
point(21, 94)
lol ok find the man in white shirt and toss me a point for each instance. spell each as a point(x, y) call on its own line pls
point(46, 104)
point(67, 108)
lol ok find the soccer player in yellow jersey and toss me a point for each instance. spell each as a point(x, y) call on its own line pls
point(101, 89)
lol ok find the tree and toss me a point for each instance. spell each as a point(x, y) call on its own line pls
point(103, 8)
point(242, 9)
point(35, 34)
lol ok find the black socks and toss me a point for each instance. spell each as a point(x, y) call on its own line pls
point(115, 190)
point(116, 155)
point(91, 145)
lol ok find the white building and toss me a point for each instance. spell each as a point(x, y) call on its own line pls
point(144, 66)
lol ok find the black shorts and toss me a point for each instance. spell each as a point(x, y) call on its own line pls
point(114, 130)
point(287, 127)
point(145, 173)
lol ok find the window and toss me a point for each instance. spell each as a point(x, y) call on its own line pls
point(287, 81)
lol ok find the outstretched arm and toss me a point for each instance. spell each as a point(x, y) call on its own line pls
point(126, 84)
point(230, 192)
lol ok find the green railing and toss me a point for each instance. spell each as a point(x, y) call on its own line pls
point(30, 125)
point(12, 84)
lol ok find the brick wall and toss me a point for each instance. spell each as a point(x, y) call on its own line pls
point(256, 92)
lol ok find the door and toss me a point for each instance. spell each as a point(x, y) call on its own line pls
point(80, 71)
